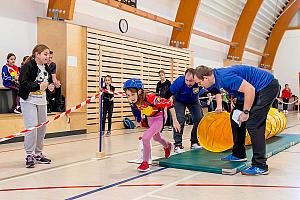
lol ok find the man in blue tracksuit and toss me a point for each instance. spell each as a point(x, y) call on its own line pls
point(186, 93)
point(255, 90)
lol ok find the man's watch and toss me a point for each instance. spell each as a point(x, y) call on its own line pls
point(246, 112)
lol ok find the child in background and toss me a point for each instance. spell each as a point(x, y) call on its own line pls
point(10, 75)
point(108, 104)
point(154, 107)
point(286, 95)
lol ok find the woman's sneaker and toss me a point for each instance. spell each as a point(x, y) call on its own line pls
point(30, 161)
point(40, 158)
point(143, 167)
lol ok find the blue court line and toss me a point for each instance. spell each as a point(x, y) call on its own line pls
point(115, 184)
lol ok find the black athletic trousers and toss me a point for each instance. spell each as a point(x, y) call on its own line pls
point(256, 126)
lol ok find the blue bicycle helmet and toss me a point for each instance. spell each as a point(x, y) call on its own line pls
point(133, 83)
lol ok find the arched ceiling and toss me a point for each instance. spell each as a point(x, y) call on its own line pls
point(263, 18)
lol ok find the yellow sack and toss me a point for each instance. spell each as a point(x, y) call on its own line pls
point(214, 130)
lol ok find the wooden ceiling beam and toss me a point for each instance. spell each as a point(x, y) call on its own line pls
point(186, 14)
point(242, 29)
point(141, 13)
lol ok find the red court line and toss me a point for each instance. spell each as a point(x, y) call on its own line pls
point(75, 187)
point(151, 185)
point(238, 185)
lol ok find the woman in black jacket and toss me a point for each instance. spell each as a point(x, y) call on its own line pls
point(34, 79)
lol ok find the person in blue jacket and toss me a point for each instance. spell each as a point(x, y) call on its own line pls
point(185, 92)
point(255, 90)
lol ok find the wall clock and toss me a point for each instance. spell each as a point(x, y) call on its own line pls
point(123, 25)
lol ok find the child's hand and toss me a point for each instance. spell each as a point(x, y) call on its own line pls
point(138, 125)
point(176, 125)
point(57, 83)
point(43, 86)
point(51, 87)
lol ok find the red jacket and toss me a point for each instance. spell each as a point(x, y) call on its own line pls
point(154, 104)
point(286, 93)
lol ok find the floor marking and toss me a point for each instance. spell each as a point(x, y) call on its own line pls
point(167, 186)
point(237, 185)
point(46, 170)
point(72, 164)
point(164, 198)
point(77, 186)
point(153, 185)
point(115, 184)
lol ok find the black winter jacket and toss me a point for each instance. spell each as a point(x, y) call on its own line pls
point(28, 74)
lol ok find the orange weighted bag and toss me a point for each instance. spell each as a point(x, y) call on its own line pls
point(214, 130)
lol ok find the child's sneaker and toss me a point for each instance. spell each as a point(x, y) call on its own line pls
point(40, 158)
point(178, 149)
point(143, 167)
point(17, 110)
point(233, 158)
point(108, 133)
point(30, 161)
point(168, 150)
point(253, 171)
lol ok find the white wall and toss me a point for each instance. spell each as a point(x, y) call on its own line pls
point(18, 27)
point(287, 61)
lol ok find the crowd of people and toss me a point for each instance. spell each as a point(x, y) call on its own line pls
point(252, 92)
point(251, 89)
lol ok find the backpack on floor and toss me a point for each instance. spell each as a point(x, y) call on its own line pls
point(128, 123)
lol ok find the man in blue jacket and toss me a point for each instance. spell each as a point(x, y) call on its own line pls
point(186, 93)
point(255, 90)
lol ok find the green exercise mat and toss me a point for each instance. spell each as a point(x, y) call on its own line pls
point(205, 161)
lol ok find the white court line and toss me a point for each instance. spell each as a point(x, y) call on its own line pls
point(167, 186)
point(75, 164)
point(159, 197)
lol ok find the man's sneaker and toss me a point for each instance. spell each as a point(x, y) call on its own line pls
point(253, 171)
point(170, 128)
point(17, 110)
point(30, 161)
point(178, 149)
point(195, 146)
point(40, 158)
point(168, 150)
point(233, 158)
point(143, 167)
